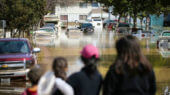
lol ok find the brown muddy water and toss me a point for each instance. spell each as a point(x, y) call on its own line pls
point(70, 48)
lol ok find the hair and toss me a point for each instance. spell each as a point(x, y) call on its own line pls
point(129, 57)
point(35, 74)
point(59, 66)
point(90, 64)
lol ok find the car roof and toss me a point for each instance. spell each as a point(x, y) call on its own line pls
point(47, 28)
point(13, 39)
point(166, 31)
point(86, 23)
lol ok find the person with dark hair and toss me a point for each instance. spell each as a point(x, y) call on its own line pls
point(34, 75)
point(131, 73)
point(53, 82)
point(88, 81)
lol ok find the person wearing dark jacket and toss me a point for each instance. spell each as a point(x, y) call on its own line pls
point(131, 73)
point(88, 81)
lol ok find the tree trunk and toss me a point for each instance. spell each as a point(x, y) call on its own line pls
point(11, 30)
point(23, 34)
point(147, 23)
point(4, 31)
point(135, 20)
point(119, 19)
point(126, 19)
point(19, 33)
point(130, 20)
point(141, 22)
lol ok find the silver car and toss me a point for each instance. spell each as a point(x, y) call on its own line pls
point(45, 36)
point(163, 43)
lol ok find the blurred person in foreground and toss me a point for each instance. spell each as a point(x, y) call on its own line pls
point(34, 75)
point(53, 82)
point(131, 73)
point(87, 81)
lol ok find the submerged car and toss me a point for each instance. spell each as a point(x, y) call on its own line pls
point(74, 33)
point(16, 57)
point(163, 43)
point(45, 36)
point(86, 28)
point(141, 34)
point(123, 28)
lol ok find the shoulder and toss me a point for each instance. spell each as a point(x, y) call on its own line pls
point(64, 87)
point(74, 78)
point(61, 83)
point(76, 75)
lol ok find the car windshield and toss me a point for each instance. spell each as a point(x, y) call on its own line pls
point(17, 47)
point(49, 25)
point(166, 34)
point(47, 29)
point(123, 25)
point(87, 25)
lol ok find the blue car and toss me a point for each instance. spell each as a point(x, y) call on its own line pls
point(86, 27)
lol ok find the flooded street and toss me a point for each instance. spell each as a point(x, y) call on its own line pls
point(69, 46)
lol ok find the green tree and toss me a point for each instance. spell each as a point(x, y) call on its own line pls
point(22, 14)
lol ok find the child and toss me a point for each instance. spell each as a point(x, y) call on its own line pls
point(53, 82)
point(87, 81)
point(34, 75)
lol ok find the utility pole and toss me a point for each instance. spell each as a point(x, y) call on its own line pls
point(3, 28)
point(110, 11)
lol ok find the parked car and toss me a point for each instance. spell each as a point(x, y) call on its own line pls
point(16, 58)
point(45, 36)
point(86, 27)
point(107, 22)
point(123, 28)
point(50, 25)
point(97, 23)
point(164, 40)
point(73, 32)
point(163, 43)
point(111, 26)
point(140, 33)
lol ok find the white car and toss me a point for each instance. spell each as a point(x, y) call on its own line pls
point(163, 43)
point(45, 36)
point(140, 34)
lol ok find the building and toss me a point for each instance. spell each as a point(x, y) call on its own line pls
point(77, 12)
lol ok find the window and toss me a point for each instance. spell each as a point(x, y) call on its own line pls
point(63, 17)
point(95, 4)
point(83, 5)
point(83, 17)
point(17, 47)
point(63, 5)
point(166, 34)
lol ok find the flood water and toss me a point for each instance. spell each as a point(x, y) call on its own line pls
point(70, 48)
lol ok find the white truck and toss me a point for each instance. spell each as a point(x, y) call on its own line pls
point(163, 43)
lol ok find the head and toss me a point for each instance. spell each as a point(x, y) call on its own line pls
point(90, 57)
point(130, 54)
point(35, 74)
point(59, 67)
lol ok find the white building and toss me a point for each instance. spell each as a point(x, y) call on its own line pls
point(76, 12)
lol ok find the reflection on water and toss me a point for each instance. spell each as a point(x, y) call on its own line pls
point(70, 47)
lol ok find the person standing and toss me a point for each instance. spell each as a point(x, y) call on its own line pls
point(131, 73)
point(34, 76)
point(53, 82)
point(88, 81)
